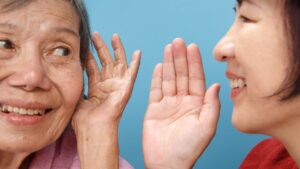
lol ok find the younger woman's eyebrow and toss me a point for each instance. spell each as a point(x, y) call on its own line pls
point(252, 2)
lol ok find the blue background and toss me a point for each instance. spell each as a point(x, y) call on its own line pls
point(151, 24)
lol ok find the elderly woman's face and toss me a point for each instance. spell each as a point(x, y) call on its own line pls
point(40, 73)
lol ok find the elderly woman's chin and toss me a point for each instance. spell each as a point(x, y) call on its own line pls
point(25, 143)
point(22, 145)
point(20, 138)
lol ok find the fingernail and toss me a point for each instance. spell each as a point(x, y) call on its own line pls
point(96, 33)
point(168, 46)
point(178, 40)
point(115, 34)
point(193, 45)
point(137, 52)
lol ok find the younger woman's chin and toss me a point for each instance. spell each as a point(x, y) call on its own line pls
point(244, 125)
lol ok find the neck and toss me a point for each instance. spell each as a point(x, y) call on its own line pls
point(290, 138)
point(294, 151)
point(12, 160)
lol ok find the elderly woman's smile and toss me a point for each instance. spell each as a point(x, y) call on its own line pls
point(30, 111)
point(24, 113)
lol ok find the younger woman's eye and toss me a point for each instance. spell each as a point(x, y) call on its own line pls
point(6, 44)
point(245, 19)
point(61, 51)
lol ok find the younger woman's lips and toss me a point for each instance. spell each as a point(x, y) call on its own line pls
point(235, 92)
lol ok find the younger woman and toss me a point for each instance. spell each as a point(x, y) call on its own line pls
point(262, 53)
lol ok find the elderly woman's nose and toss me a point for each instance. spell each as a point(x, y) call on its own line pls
point(30, 75)
point(225, 49)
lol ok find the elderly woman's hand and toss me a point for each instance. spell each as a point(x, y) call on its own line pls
point(182, 116)
point(96, 120)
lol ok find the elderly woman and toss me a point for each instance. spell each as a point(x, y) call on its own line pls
point(44, 47)
point(262, 53)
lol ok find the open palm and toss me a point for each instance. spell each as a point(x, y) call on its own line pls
point(182, 116)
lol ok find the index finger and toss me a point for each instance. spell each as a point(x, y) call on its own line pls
point(102, 51)
point(196, 73)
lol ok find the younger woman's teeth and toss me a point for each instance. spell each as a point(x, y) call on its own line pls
point(237, 83)
point(21, 111)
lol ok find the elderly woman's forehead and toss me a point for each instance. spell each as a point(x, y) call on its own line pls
point(48, 9)
point(39, 5)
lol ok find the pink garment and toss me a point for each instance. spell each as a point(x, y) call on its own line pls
point(63, 155)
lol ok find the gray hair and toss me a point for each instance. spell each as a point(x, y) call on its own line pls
point(80, 8)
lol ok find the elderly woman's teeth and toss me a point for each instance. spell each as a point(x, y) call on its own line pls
point(21, 111)
point(237, 83)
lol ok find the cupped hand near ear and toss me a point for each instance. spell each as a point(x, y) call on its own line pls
point(97, 118)
point(182, 115)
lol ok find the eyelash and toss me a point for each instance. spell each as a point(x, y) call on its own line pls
point(243, 18)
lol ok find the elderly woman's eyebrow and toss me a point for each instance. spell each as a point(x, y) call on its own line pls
point(66, 30)
point(8, 25)
point(56, 30)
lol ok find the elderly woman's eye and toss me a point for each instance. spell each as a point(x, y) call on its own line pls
point(61, 51)
point(6, 44)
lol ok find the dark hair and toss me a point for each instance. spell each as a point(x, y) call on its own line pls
point(79, 6)
point(84, 30)
point(291, 85)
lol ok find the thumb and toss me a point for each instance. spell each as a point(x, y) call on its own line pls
point(211, 107)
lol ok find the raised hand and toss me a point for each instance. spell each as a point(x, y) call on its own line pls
point(110, 88)
point(97, 118)
point(182, 116)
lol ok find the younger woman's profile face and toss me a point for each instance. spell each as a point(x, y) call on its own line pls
point(257, 55)
point(40, 73)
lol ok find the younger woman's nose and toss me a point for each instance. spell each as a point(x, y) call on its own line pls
point(224, 49)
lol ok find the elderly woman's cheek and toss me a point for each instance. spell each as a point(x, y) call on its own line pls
point(69, 82)
point(4, 70)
